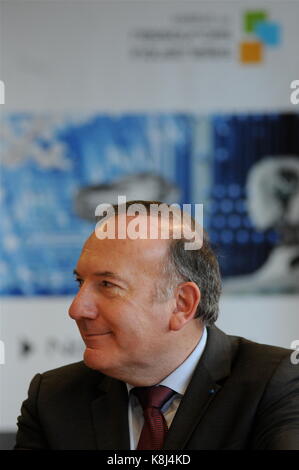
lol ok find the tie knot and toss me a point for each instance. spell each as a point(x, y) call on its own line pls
point(153, 397)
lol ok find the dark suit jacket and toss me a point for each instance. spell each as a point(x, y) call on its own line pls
point(243, 395)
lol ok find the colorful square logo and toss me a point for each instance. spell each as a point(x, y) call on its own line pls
point(260, 34)
point(252, 18)
point(269, 33)
point(251, 52)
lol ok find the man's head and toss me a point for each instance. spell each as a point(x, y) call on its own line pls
point(142, 303)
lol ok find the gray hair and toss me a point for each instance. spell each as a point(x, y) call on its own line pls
point(199, 266)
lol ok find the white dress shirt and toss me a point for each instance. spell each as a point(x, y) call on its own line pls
point(178, 381)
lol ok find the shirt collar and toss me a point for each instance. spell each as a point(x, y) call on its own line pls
point(179, 379)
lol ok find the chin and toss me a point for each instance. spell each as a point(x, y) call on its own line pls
point(96, 360)
point(91, 359)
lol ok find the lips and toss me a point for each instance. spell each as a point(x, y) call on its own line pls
point(90, 335)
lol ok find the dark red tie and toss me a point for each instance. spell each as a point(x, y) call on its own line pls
point(155, 428)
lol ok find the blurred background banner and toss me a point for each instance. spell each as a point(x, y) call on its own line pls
point(128, 55)
point(248, 181)
point(179, 101)
point(56, 170)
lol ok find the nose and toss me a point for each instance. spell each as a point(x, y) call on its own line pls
point(84, 305)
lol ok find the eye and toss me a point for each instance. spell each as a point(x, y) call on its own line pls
point(79, 282)
point(103, 283)
point(107, 284)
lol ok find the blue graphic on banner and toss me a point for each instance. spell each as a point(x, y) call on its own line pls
point(240, 142)
point(57, 169)
point(246, 174)
point(268, 32)
point(46, 160)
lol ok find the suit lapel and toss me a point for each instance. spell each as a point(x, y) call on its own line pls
point(110, 416)
point(110, 408)
point(213, 367)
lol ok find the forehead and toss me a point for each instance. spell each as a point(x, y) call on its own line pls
point(125, 257)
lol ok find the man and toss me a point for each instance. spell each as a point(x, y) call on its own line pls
point(146, 310)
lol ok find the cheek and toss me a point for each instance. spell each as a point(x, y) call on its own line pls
point(141, 336)
point(131, 336)
point(134, 327)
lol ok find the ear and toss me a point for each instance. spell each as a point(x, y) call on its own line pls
point(187, 299)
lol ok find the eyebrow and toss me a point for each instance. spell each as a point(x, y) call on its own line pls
point(108, 274)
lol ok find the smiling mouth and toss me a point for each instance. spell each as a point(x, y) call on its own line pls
point(90, 335)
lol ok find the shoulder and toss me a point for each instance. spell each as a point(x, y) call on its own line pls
point(271, 364)
point(245, 348)
point(250, 350)
point(72, 379)
point(252, 360)
point(76, 369)
point(261, 354)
